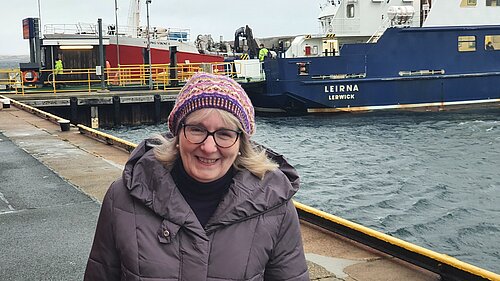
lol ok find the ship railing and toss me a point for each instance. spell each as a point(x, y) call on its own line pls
point(185, 71)
point(179, 34)
point(51, 81)
point(70, 80)
point(123, 76)
point(156, 33)
point(88, 28)
point(10, 79)
point(138, 75)
point(123, 30)
point(176, 34)
point(163, 76)
point(340, 76)
point(78, 28)
point(422, 72)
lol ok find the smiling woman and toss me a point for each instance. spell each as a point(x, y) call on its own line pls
point(202, 203)
point(207, 159)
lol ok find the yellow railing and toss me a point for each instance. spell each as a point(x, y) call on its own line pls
point(130, 75)
point(86, 80)
point(70, 80)
point(10, 79)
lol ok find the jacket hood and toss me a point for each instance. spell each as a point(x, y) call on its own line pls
point(151, 183)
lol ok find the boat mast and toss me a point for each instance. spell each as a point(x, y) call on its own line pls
point(134, 17)
point(116, 34)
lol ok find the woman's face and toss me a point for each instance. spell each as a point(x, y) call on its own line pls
point(206, 162)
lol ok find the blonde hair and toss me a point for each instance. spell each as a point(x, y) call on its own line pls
point(252, 158)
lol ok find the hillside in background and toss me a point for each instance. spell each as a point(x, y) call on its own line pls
point(12, 61)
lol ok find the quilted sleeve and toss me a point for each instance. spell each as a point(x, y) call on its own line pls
point(287, 261)
point(104, 262)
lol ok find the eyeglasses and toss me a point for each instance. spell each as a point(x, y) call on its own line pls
point(224, 138)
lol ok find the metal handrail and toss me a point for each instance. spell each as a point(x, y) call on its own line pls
point(87, 80)
point(10, 78)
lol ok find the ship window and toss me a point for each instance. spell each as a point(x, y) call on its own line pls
point(468, 3)
point(495, 3)
point(350, 10)
point(466, 43)
point(492, 42)
point(314, 50)
point(303, 68)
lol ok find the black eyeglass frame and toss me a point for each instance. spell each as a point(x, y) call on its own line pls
point(208, 133)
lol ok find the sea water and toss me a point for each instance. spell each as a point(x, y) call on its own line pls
point(432, 179)
point(12, 62)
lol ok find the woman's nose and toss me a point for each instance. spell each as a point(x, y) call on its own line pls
point(209, 144)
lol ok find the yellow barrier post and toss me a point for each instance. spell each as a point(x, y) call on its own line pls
point(54, 82)
point(88, 79)
point(21, 83)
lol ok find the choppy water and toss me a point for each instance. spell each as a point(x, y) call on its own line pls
point(432, 179)
point(12, 62)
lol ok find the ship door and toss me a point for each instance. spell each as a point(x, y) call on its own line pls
point(307, 50)
point(330, 47)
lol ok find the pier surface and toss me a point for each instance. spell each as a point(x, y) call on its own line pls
point(53, 181)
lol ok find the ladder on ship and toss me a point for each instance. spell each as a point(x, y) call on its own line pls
point(378, 33)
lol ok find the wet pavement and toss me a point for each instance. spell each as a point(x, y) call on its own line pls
point(46, 224)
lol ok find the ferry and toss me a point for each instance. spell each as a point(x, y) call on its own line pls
point(77, 45)
point(387, 54)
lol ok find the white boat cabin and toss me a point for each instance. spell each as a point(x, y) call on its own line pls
point(358, 21)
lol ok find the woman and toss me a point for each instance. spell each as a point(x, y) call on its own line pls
point(202, 203)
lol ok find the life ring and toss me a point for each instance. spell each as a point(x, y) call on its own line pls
point(30, 76)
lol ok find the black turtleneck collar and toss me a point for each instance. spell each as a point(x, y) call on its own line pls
point(203, 198)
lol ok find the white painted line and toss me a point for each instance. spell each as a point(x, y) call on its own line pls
point(2, 197)
point(333, 265)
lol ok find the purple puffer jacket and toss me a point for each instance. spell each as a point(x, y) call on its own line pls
point(147, 231)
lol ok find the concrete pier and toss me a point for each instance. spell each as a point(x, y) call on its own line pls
point(51, 185)
point(105, 109)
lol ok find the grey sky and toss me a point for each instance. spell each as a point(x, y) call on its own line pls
point(217, 17)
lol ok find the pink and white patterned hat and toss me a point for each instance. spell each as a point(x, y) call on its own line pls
point(205, 90)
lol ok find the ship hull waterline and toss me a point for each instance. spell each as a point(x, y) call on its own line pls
point(361, 95)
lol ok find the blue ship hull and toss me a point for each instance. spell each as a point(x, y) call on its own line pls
point(408, 68)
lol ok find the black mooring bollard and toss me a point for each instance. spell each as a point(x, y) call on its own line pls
point(174, 82)
point(73, 103)
point(116, 106)
point(157, 100)
point(5, 103)
point(64, 124)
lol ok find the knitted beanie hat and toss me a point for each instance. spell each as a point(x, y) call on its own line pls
point(205, 90)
